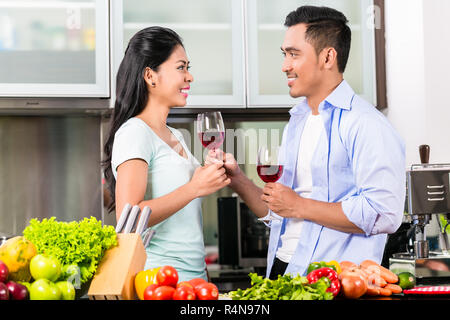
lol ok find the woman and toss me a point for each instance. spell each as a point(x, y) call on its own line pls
point(147, 162)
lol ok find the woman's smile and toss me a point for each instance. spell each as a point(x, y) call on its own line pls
point(184, 91)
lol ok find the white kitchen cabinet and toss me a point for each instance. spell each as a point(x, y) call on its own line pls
point(54, 48)
point(69, 48)
point(234, 46)
point(267, 84)
point(212, 33)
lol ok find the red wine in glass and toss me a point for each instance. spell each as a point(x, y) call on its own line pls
point(268, 167)
point(269, 173)
point(211, 139)
point(211, 129)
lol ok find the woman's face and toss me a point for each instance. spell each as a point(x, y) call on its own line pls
point(172, 80)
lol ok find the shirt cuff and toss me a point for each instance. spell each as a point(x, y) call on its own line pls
point(358, 210)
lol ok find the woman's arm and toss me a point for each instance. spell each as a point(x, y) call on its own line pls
point(132, 183)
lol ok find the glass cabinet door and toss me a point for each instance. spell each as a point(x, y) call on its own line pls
point(54, 48)
point(267, 84)
point(212, 33)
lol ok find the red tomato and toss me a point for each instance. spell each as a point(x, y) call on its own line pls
point(149, 292)
point(207, 291)
point(164, 293)
point(185, 283)
point(184, 293)
point(196, 281)
point(167, 276)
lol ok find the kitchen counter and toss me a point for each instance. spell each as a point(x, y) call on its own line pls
point(227, 279)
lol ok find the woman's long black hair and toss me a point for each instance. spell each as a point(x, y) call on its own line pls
point(149, 47)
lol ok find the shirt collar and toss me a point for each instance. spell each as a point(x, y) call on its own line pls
point(300, 109)
point(341, 97)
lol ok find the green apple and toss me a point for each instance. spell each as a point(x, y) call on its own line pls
point(67, 290)
point(42, 267)
point(44, 289)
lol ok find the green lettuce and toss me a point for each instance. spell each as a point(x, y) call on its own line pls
point(80, 243)
point(283, 288)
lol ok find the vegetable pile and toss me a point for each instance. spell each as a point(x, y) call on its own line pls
point(284, 288)
point(326, 280)
point(369, 278)
point(75, 244)
point(162, 284)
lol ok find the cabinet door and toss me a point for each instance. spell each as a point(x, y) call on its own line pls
point(212, 33)
point(54, 48)
point(267, 84)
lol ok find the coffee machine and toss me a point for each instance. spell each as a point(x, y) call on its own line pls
point(428, 197)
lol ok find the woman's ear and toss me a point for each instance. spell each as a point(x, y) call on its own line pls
point(150, 77)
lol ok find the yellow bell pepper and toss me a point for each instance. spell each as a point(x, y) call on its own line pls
point(143, 279)
point(335, 264)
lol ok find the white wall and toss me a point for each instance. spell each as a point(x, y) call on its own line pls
point(418, 63)
point(437, 71)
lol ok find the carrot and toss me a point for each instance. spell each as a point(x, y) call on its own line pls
point(394, 288)
point(372, 290)
point(385, 292)
point(364, 272)
point(377, 280)
point(386, 274)
point(354, 271)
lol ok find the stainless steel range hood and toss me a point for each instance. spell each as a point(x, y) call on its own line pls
point(49, 166)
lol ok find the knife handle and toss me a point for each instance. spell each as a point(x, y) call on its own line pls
point(132, 219)
point(123, 217)
point(143, 220)
point(148, 237)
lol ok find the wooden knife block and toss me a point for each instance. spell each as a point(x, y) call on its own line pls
point(114, 279)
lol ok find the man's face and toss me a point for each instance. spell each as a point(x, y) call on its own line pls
point(301, 63)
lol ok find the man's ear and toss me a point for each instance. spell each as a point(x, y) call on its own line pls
point(150, 77)
point(329, 58)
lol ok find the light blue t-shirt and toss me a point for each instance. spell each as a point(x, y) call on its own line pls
point(178, 240)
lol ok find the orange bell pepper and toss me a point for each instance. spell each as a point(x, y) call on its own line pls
point(143, 279)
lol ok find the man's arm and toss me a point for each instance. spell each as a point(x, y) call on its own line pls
point(250, 193)
point(287, 203)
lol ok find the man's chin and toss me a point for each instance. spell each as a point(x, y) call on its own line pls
point(295, 94)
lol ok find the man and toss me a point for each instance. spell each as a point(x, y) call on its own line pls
point(343, 186)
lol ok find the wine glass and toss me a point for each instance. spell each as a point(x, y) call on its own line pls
point(211, 129)
point(270, 168)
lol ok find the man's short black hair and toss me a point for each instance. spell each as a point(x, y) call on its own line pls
point(326, 27)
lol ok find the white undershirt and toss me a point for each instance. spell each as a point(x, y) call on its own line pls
point(311, 133)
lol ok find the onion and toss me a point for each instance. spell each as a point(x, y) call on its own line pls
point(353, 286)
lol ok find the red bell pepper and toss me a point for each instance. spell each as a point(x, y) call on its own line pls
point(330, 274)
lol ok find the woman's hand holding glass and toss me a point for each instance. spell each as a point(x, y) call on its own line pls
point(209, 179)
point(226, 159)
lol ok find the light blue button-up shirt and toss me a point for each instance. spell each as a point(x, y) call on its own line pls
point(360, 162)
